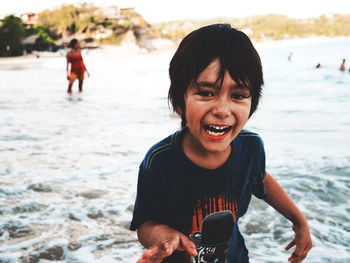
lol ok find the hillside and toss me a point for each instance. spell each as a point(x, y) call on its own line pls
point(94, 26)
point(267, 27)
point(87, 22)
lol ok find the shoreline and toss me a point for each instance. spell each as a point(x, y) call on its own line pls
point(300, 41)
point(110, 51)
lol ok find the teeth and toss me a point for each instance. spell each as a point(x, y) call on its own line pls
point(215, 133)
point(218, 127)
point(215, 130)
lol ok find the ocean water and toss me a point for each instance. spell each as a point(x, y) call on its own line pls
point(69, 163)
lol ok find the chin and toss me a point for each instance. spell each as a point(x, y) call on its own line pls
point(219, 147)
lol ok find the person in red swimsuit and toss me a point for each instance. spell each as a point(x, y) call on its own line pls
point(77, 67)
point(342, 66)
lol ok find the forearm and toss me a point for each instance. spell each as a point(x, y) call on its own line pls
point(67, 62)
point(278, 199)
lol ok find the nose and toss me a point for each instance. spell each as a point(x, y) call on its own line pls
point(221, 109)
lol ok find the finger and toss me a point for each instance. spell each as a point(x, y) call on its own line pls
point(298, 255)
point(151, 260)
point(169, 247)
point(154, 254)
point(293, 258)
point(144, 258)
point(149, 253)
point(303, 254)
point(188, 245)
point(296, 259)
point(290, 245)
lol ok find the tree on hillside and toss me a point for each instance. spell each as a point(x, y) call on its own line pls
point(70, 19)
point(11, 33)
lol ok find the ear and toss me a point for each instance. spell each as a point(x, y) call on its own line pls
point(179, 111)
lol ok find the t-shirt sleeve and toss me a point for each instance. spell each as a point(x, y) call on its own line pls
point(258, 175)
point(148, 201)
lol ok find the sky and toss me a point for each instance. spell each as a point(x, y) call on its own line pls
point(155, 11)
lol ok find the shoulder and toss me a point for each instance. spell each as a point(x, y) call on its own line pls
point(69, 54)
point(250, 140)
point(161, 151)
point(248, 135)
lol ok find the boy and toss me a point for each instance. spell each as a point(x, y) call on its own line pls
point(211, 164)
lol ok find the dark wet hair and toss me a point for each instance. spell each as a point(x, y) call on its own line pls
point(197, 50)
point(73, 42)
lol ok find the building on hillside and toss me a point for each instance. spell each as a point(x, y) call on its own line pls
point(29, 19)
point(111, 12)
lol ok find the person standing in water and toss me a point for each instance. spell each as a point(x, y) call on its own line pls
point(75, 66)
point(342, 66)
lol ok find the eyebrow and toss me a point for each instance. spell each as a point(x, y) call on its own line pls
point(215, 86)
point(206, 84)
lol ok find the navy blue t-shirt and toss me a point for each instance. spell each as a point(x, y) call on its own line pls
point(172, 190)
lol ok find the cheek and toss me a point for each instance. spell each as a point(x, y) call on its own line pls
point(193, 114)
point(244, 113)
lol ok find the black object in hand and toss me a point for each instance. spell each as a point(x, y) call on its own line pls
point(212, 243)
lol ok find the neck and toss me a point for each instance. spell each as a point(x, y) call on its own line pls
point(200, 156)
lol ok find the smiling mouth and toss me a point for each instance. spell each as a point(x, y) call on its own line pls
point(217, 131)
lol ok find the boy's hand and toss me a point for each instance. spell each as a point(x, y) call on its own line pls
point(302, 242)
point(167, 242)
point(153, 254)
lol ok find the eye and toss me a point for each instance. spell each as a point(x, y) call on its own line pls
point(206, 93)
point(240, 96)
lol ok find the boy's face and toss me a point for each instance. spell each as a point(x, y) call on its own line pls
point(215, 115)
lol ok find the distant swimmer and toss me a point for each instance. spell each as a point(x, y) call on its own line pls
point(318, 65)
point(77, 67)
point(342, 66)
